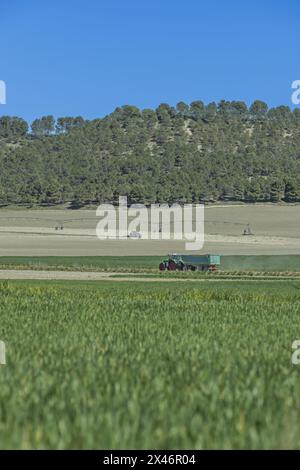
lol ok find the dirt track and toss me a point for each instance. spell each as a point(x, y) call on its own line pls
point(54, 275)
point(11, 274)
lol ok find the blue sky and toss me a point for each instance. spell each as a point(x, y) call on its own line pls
point(71, 57)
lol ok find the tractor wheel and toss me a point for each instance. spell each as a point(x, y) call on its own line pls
point(172, 265)
point(162, 267)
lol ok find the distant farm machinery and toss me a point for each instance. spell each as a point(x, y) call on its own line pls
point(246, 226)
point(177, 262)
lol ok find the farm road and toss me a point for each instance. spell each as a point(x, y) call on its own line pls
point(11, 274)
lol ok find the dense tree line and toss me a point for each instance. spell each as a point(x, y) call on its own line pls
point(187, 153)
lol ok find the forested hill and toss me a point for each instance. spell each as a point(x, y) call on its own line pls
point(190, 153)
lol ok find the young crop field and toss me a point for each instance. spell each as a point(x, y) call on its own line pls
point(144, 365)
point(84, 263)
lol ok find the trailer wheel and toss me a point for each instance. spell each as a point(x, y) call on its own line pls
point(162, 267)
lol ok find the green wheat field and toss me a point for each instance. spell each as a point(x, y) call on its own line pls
point(142, 365)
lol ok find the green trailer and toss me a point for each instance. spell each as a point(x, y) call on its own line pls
point(190, 262)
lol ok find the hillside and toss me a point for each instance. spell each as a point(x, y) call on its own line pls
point(191, 153)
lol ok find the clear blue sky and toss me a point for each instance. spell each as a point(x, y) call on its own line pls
point(71, 57)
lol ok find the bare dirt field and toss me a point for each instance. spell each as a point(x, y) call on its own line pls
point(23, 274)
point(46, 232)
